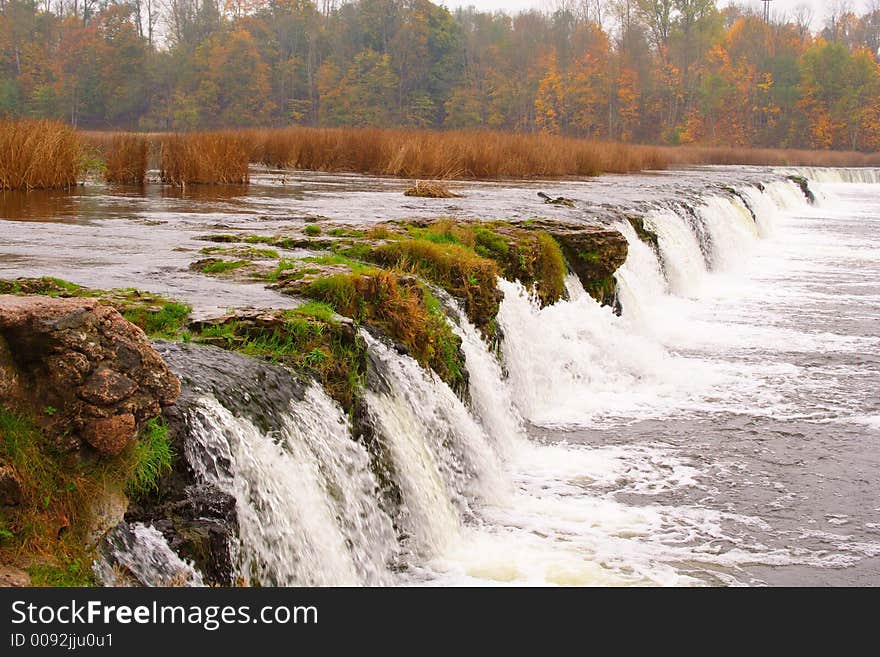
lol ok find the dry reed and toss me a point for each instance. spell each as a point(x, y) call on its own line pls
point(126, 159)
point(38, 154)
point(720, 155)
point(457, 154)
point(222, 156)
point(219, 158)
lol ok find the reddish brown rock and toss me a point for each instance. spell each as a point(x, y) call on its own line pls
point(82, 370)
point(109, 435)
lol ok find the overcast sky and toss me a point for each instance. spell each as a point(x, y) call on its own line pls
point(819, 6)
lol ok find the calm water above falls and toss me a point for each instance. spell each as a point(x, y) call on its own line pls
point(723, 430)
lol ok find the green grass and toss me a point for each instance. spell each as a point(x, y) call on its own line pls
point(316, 309)
point(356, 266)
point(169, 322)
point(152, 457)
point(346, 232)
point(454, 267)
point(312, 230)
point(403, 308)
point(310, 340)
point(71, 572)
point(244, 252)
point(46, 533)
point(223, 266)
point(46, 286)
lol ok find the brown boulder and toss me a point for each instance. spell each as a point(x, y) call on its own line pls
point(82, 370)
point(109, 435)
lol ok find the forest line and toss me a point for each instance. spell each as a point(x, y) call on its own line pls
point(646, 71)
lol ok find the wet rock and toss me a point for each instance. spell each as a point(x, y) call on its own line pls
point(559, 200)
point(199, 523)
point(593, 253)
point(10, 576)
point(804, 185)
point(644, 233)
point(81, 370)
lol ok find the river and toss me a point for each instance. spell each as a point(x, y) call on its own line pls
point(723, 430)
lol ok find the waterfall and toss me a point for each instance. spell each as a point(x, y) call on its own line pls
point(491, 398)
point(442, 458)
point(140, 554)
point(305, 496)
point(473, 495)
point(836, 175)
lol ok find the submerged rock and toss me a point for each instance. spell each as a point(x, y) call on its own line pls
point(81, 370)
point(559, 200)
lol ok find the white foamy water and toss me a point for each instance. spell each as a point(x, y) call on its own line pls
point(139, 554)
point(742, 329)
point(305, 498)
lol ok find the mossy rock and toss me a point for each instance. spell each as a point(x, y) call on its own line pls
point(156, 315)
point(644, 233)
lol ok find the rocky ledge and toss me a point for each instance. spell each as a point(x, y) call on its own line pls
point(83, 372)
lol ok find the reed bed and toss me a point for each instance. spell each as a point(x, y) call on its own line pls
point(38, 154)
point(205, 158)
point(126, 159)
point(683, 155)
point(457, 154)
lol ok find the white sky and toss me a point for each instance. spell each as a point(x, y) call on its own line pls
point(512, 6)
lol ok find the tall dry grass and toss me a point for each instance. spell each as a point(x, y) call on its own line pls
point(685, 155)
point(38, 154)
point(199, 158)
point(458, 154)
point(126, 158)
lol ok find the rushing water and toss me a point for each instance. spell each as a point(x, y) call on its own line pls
point(722, 430)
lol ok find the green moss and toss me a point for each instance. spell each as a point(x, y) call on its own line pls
point(550, 269)
point(243, 252)
point(644, 233)
point(346, 232)
point(70, 572)
point(312, 230)
point(46, 286)
point(259, 239)
point(490, 244)
point(591, 257)
point(220, 238)
point(602, 289)
point(401, 307)
point(309, 340)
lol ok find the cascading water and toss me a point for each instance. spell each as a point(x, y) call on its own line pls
point(580, 455)
point(306, 499)
point(140, 554)
point(441, 457)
